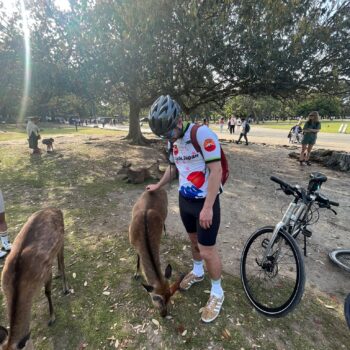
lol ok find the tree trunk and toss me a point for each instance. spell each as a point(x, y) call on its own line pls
point(135, 135)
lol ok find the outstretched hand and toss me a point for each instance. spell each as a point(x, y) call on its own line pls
point(152, 187)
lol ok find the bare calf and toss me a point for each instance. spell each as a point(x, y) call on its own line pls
point(27, 268)
point(145, 231)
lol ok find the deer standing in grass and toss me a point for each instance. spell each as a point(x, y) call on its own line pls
point(27, 268)
point(145, 231)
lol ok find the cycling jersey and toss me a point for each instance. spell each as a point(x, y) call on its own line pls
point(193, 172)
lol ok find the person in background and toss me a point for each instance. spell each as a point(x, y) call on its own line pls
point(244, 132)
point(205, 122)
point(310, 130)
point(221, 124)
point(5, 243)
point(33, 134)
point(238, 123)
point(233, 122)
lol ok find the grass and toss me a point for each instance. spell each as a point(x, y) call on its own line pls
point(108, 307)
point(12, 132)
point(326, 126)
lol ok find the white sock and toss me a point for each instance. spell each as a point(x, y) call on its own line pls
point(198, 269)
point(216, 288)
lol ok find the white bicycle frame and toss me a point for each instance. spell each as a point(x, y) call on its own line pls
point(293, 213)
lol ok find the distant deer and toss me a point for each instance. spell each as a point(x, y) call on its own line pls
point(140, 175)
point(27, 268)
point(145, 231)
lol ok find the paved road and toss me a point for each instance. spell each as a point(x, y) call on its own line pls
point(340, 142)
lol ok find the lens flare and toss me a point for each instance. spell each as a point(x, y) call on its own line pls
point(27, 67)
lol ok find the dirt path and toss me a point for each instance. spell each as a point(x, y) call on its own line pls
point(250, 201)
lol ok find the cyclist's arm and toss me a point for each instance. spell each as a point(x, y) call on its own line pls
point(170, 174)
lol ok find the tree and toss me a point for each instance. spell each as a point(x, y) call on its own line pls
point(327, 106)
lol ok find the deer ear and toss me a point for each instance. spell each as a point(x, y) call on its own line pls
point(148, 288)
point(168, 272)
point(3, 334)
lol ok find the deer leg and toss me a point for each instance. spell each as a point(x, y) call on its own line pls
point(137, 273)
point(61, 269)
point(48, 287)
point(164, 230)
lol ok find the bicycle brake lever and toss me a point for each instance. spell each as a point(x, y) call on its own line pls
point(333, 211)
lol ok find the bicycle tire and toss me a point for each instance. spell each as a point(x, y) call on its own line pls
point(341, 257)
point(271, 307)
point(347, 310)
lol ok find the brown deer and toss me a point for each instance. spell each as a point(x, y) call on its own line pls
point(140, 175)
point(26, 269)
point(145, 231)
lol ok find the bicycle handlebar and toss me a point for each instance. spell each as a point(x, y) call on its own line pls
point(288, 190)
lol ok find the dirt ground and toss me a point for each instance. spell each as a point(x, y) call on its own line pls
point(250, 201)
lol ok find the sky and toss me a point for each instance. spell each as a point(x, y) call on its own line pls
point(10, 4)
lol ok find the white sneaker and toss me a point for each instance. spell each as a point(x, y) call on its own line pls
point(212, 309)
point(5, 243)
point(2, 254)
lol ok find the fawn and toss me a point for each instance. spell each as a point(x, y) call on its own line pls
point(145, 231)
point(26, 269)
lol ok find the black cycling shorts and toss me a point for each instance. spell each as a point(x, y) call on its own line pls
point(190, 209)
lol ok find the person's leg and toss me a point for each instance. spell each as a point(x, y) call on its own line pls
point(4, 238)
point(246, 139)
point(302, 154)
point(210, 254)
point(188, 212)
point(239, 139)
point(307, 156)
point(233, 128)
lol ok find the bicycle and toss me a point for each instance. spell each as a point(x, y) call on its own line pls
point(272, 268)
point(341, 257)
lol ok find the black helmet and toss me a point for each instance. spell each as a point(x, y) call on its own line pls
point(164, 115)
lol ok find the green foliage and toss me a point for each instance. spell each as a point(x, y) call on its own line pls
point(326, 106)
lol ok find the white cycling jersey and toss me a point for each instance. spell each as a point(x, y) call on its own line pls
point(193, 172)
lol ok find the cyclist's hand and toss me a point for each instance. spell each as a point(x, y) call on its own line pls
point(152, 187)
point(206, 218)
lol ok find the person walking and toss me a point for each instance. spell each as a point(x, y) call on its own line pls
point(233, 122)
point(199, 188)
point(245, 129)
point(310, 130)
point(238, 123)
point(4, 238)
point(221, 124)
point(33, 134)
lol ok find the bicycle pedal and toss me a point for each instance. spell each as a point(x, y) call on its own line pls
point(307, 233)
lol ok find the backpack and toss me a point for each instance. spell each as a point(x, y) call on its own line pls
point(224, 163)
point(247, 128)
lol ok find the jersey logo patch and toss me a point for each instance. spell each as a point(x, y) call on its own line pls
point(209, 145)
point(175, 150)
point(197, 178)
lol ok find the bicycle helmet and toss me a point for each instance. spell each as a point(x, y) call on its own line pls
point(164, 115)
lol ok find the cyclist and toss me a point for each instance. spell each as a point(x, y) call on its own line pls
point(199, 186)
point(6, 245)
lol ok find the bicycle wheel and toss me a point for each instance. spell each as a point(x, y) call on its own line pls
point(276, 286)
point(347, 310)
point(341, 257)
